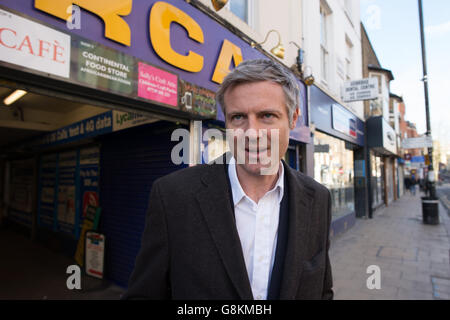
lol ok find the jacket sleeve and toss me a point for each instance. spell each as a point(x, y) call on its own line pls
point(150, 277)
point(327, 292)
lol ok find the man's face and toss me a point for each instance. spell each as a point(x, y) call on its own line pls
point(257, 108)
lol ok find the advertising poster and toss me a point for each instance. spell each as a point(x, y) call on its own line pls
point(67, 192)
point(157, 85)
point(89, 163)
point(95, 253)
point(48, 181)
point(103, 68)
point(199, 101)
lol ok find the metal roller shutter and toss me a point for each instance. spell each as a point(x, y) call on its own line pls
point(131, 161)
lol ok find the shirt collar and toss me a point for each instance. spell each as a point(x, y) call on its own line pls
point(236, 188)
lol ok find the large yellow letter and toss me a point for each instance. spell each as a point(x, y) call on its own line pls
point(228, 52)
point(161, 17)
point(111, 12)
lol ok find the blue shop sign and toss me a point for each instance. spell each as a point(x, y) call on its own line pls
point(332, 118)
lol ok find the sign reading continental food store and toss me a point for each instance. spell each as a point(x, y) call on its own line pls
point(104, 68)
point(121, 44)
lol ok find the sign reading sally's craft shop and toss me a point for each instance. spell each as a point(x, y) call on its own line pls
point(157, 85)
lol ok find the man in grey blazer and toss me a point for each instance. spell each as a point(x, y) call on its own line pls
point(240, 228)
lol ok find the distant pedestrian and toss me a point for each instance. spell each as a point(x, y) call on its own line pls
point(408, 184)
point(413, 187)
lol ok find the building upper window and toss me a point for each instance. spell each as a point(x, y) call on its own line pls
point(380, 81)
point(348, 8)
point(240, 8)
point(324, 56)
point(349, 57)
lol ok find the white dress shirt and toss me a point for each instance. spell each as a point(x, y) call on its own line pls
point(257, 225)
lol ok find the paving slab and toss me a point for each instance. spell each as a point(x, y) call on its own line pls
point(409, 254)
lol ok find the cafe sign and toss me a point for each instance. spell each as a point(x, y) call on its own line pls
point(32, 45)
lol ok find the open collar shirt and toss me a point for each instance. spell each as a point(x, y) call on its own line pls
point(257, 226)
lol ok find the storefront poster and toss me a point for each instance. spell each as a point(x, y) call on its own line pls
point(66, 212)
point(95, 253)
point(157, 85)
point(89, 172)
point(68, 184)
point(26, 43)
point(360, 168)
point(47, 182)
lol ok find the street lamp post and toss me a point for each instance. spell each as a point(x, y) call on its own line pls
point(431, 177)
point(430, 205)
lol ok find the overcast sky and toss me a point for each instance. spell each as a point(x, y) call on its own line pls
point(393, 28)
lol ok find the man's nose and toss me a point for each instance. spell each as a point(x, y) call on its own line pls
point(255, 131)
point(254, 126)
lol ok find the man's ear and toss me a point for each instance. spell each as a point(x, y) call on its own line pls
point(295, 118)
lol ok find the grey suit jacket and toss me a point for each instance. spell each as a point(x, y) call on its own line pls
point(191, 248)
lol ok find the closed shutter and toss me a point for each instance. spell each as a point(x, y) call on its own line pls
point(131, 160)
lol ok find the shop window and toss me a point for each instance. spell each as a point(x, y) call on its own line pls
point(241, 9)
point(349, 58)
point(333, 167)
point(377, 180)
point(324, 55)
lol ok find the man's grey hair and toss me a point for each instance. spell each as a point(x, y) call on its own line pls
point(262, 70)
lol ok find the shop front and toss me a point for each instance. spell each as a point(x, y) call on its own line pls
point(113, 93)
point(338, 140)
point(384, 179)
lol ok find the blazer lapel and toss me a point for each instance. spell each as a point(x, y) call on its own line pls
point(214, 201)
point(300, 204)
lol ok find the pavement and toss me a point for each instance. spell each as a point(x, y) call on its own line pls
point(31, 271)
point(413, 260)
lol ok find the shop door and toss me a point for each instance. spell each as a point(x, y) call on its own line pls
point(130, 162)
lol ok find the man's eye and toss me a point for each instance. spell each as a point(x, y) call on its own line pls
point(268, 115)
point(236, 117)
